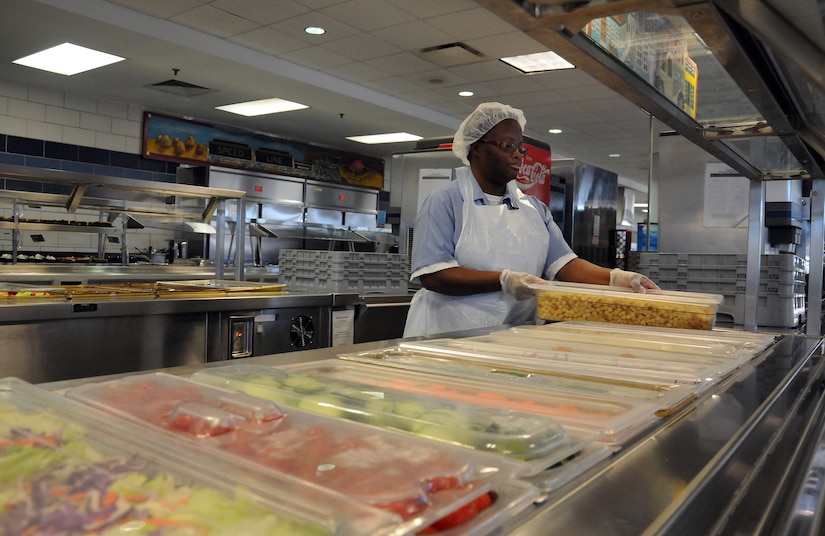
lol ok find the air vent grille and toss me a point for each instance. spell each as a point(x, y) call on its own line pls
point(181, 88)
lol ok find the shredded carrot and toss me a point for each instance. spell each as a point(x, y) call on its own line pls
point(166, 522)
point(30, 531)
point(59, 491)
point(134, 498)
point(76, 497)
point(109, 499)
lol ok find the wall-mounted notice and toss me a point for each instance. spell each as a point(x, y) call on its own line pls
point(726, 197)
point(429, 180)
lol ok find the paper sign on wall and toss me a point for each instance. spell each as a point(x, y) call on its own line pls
point(726, 197)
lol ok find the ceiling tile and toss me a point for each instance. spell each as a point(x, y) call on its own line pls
point(316, 57)
point(368, 15)
point(295, 27)
point(361, 47)
point(214, 21)
point(564, 78)
point(507, 44)
point(163, 9)
point(433, 8)
point(486, 70)
point(436, 78)
point(270, 41)
point(413, 35)
point(588, 92)
point(262, 12)
point(522, 84)
point(471, 24)
point(401, 64)
point(319, 4)
point(391, 86)
point(357, 72)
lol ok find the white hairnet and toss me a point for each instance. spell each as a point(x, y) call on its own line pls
point(480, 122)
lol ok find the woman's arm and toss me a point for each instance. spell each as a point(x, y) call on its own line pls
point(459, 281)
point(581, 271)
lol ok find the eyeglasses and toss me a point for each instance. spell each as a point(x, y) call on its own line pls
point(507, 146)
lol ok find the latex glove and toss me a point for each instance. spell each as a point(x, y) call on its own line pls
point(638, 282)
point(516, 283)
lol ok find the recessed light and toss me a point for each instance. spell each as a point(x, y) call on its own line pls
point(554, 131)
point(538, 62)
point(465, 93)
point(392, 137)
point(315, 30)
point(640, 205)
point(68, 59)
point(262, 107)
point(614, 155)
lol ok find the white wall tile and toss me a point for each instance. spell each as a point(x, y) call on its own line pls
point(14, 89)
point(27, 109)
point(127, 128)
point(134, 145)
point(79, 136)
point(13, 126)
point(112, 142)
point(39, 130)
point(112, 109)
point(81, 102)
point(46, 96)
point(76, 240)
point(4, 105)
point(135, 113)
point(96, 122)
point(62, 116)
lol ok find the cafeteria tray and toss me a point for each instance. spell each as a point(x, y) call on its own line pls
point(612, 369)
point(666, 398)
point(417, 480)
point(221, 285)
point(536, 440)
point(744, 341)
point(64, 471)
point(616, 420)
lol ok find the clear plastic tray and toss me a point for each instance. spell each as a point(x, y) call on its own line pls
point(576, 301)
point(64, 471)
point(667, 399)
point(716, 338)
point(616, 419)
point(418, 480)
point(508, 500)
point(555, 362)
point(332, 387)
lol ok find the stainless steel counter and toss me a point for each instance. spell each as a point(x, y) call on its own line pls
point(744, 458)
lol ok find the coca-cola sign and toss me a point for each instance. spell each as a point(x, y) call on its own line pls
point(534, 175)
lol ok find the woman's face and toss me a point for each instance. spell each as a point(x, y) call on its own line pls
point(492, 165)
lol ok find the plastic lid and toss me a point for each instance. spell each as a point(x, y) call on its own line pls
point(140, 485)
point(671, 296)
point(388, 470)
point(327, 387)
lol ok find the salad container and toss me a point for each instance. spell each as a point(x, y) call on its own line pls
point(417, 480)
point(67, 469)
point(578, 301)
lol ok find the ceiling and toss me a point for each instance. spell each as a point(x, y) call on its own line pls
point(366, 75)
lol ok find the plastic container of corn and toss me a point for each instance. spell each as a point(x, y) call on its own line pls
point(597, 303)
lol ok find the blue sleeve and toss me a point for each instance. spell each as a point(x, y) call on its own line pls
point(436, 228)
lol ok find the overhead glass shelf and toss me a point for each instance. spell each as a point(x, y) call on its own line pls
point(666, 52)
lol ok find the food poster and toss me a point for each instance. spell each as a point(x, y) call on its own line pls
point(191, 142)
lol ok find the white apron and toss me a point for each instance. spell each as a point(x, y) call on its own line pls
point(493, 237)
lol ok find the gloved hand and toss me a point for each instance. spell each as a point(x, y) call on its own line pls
point(638, 282)
point(516, 283)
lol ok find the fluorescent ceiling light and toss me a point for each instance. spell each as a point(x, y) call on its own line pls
point(315, 30)
point(262, 107)
point(392, 137)
point(614, 155)
point(640, 205)
point(68, 59)
point(538, 62)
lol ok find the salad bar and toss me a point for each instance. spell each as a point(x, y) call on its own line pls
point(571, 427)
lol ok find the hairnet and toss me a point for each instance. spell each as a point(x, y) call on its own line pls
point(480, 122)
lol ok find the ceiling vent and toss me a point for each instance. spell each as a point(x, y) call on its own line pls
point(178, 87)
point(452, 54)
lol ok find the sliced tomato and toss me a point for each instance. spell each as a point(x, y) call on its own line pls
point(462, 515)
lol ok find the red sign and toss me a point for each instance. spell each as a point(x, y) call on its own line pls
point(534, 176)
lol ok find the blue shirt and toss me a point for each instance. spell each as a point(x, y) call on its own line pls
point(438, 225)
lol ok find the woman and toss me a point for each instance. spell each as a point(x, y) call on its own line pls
point(477, 258)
